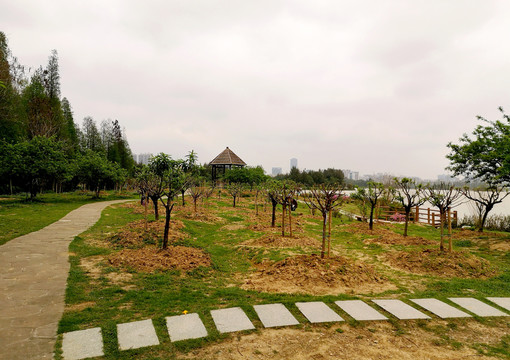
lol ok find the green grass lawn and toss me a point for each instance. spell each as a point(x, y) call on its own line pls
point(98, 301)
point(19, 216)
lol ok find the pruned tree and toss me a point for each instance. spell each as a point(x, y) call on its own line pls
point(285, 192)
point(484, 199)
point(369, 196)
point(410, 195)
point(147, 184)
point(271, 188)
point(235, 190)
point(196, 190)
point(444, 196)
point(189, 167)
point(324, 198)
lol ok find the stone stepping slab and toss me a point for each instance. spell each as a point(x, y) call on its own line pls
point(318, 312)
point(184, 327)
point(82, 344)
point(504, 302)
point(440, 308)
point(273, 315)
point(136, 334)
point(477, 307)
point(401, 310)
point(359, 310)
point(231, 319)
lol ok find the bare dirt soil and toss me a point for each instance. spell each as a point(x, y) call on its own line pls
point(279, 241)
point(383, 235)
point(376, 340)
point(312, 275)
point(203, 214)
point(151, 258)
point(441, 263)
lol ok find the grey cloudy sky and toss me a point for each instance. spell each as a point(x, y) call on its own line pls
point(372, 86)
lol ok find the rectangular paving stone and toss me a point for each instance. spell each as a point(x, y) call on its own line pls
point(504, 302)
point(477, 307)
point(273, 315)
point(184, 327)
point(359, 310)
point(318, 312)
point(440, 308)
point(136, 334)
point(82, 344)
point(401, 310)
point(231, 319)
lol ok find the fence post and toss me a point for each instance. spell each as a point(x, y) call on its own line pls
point(428, 216)
point(417, 215)
point(455, 219)
point(433, 219)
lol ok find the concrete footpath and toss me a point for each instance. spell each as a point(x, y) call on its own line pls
point(33, 277)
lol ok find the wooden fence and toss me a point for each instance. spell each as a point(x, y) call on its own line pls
point(418, 215)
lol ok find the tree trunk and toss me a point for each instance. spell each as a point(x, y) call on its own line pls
point(290, 221)
point(283, 220)
point(324, 221)
point(168, 209)
point(441, 225)
point(371, 222)
point(450, 245)
point(273, 216)
point(155, 203)
point(484, 218)
point(195, 204)
point(234, 200)
point(329, 232)
point(145, 213)
point(182, 193)
point(408, 211)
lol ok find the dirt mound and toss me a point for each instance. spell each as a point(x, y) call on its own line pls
point(312, 275)
point(150, 259)
point(470, 234)
point(441, 263)
point(278, 241)
point(138, 208)
point(397, 239)
point(202, 214)
point(134, 235)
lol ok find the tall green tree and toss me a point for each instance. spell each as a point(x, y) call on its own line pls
point(486, 154)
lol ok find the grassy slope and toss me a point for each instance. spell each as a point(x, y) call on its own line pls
point(161, 294)
point(19, 217)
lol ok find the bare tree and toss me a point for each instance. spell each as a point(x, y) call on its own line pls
point(444, 196)
point(410, 195)
point(272, 194)
point(484, 200)
point(370, 196)
point(285, 193)
point(235, 190)
point(196, 190)
point(325, 198)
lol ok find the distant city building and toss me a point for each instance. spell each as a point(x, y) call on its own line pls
point(351, 175)
point(142, 158)
point(276, 171)
point(293, 163)
point(446, 178)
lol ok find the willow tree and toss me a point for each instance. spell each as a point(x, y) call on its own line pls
point(324, 198)
point(410, 195)
point(444, 196)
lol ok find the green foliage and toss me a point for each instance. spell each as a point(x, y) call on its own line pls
point(314, 177)
point(95, 171)
point(247, 175)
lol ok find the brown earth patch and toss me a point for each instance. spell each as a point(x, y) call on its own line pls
point(312, 275)
point(278, 241)
point(150, 259)
point(80, 306)
point(233, 227)
point(138, 208)
point(91, 266)
point(379, 340)
point(397, 239)
point(502, 246)
point(441, 263)
point(134, 235)
point(470, 234)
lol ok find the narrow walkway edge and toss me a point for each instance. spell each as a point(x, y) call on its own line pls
point(33, 279)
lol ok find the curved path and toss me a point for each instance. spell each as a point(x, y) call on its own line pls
point(33, 277)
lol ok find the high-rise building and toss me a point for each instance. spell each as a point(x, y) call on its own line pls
point(276, 171)
point(293, 163)
point(143, 158)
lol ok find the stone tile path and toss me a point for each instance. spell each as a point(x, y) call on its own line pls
point(82, 344)
point(273, 315)
point(33, 278)
point(503, 302)
point(477, 307)
point(401, 310)
point(230, 320)
point(184, 327)
point(136, 334)
point(359, 310)
point(440, 308)
point(318, 312)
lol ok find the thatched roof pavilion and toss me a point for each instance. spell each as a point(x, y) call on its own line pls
point(225, 160)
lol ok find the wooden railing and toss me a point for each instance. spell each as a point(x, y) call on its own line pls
point(418, 215)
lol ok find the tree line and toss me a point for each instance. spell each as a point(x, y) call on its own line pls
point(41, 146)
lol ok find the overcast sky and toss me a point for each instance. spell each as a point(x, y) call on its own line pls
point(371, 86)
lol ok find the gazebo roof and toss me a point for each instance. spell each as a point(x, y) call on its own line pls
point(227, 157)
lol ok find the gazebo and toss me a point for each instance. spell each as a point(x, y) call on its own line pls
point(225, 160)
